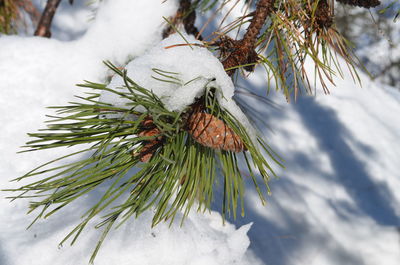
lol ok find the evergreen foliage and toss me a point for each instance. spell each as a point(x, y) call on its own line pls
point(180, 174)
point(9, 15)
point(146, 155)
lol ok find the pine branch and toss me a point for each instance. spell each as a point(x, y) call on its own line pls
point(186, 15)
point(323, 15)
point(263, 9)
point(244, 49)
point(43, 29)
point(361, 3)
point(179, 156)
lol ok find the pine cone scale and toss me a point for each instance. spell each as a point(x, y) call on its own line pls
point(214, 133)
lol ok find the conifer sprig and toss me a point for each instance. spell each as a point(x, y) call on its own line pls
point(180, 174)
point(295, 35)
point(302, 31)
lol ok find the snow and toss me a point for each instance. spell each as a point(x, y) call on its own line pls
point(191, 69)
point(337, 201)
point(202, 240)
point(186, 66)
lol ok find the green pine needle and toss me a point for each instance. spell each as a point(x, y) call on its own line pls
point(180, 174)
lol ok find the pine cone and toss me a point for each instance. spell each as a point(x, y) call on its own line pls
point(209, 131)
point(361, 3)
point(148, 128)
point(323, 15)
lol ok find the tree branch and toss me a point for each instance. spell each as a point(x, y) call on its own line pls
point(244, 52)
point(43, 29)
point(186, 15)
point(361, 3)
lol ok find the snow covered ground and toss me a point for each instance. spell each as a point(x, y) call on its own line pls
point(337, 201)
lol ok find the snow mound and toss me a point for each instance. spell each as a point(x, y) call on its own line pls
point(191, 69)
point(201, 240)
point(178, 72)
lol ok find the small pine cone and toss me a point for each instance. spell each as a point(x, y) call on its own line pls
point(149, 129)
point(323, 15)
point(209, 131)
point(150, 132)
point(147, 152)
point(147, 123)
point(361, 3)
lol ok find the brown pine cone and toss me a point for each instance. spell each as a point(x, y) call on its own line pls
point(147, 152)
point(209, 131)
point(361, 3)
point(149, 129)
point(323, 15)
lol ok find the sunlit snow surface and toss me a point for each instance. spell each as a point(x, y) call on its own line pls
point(337, 201)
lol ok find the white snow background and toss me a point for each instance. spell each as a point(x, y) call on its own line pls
point(337, 201)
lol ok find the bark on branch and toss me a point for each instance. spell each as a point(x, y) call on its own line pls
point(185, 15)
point(43, 29)
point(361, 3)
point(244, 52)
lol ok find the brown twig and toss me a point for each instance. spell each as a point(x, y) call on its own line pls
point(243, 52)
point(189, 19)
point(185, 15)
point(43, 29)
